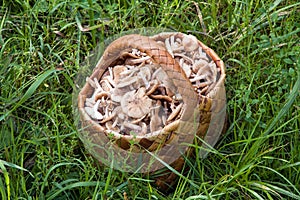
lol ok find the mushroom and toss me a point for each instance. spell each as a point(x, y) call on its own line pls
point(145, 75)
point(161, 43)
point(177, 97)
point(135, 103)
point(187, 69)
point(133, 127)
point(202, 55)
point(172, 41)
point(138, 120)
point(110, 127)
point(214, 70)
point(176, 45)
point(117, 70)
point(175, 112)
point(161, 97)
point(115, 122)
point(89, 102)
point(106, 86)
point(155, 121)
point(110, 116)
point(153, 88)
point(144, 129)
point(199, 64)
point(130, 70)
point(91, 82)
point(136, 52)
point(95, 84)
point(198, 78)
point(169, 48)
point(190, 43)
point(93, 112)
point(186, 58)
point(102, 94)
point(126, 81)
point(117, 94)
point(133, 61)
point(128, 54)
point(163, 78)
point(209, 71)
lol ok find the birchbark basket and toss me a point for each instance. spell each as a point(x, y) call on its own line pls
point(149, 99)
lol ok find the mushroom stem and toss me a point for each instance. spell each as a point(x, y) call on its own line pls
point(137, 60)
point(110, 117)
point(154, 87)
point(101, 94)
point(175, 112)
point(161, 97)
point(134, 127)
point(155, 121)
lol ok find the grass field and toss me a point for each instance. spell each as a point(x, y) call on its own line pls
point(42, 46)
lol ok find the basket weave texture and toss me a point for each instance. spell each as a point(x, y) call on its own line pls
point(148, 98)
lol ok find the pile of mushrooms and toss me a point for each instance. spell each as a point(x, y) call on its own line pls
point(137, 98)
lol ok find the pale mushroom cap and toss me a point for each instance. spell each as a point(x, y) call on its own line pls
point(117, 70)
point(199, 64)
point(127, 81)
point(190, 43)
point(135, 104)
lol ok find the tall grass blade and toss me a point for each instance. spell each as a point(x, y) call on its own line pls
point(12, 165)
point(7, 180)
point(30, 91)
point(48, 174)
point(74, 185)
point(289, 102)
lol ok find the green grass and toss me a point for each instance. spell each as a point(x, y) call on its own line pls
point(43, 43)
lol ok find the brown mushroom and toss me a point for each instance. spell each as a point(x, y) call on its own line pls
point(117, 94)
point(199, 64)
point(175, 112)
point(111, 127)
point(145, 74)
point(161, 97)
point(190, 43)
point(117, 70)
point(126, 81)
point(153, 88)
point(135, 128)
point(135, 103)
point(163, 78)
point(102, 94)
point(156, 121)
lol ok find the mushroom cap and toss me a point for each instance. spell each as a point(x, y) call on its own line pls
point(117, 70)
point(199, 64)
point(126, 81)
point(190, 43)
point(93, 114)
point(136, 104)
point(145, 72)
point(117, 94)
